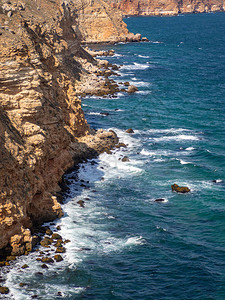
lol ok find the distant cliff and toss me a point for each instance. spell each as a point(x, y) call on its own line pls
point(43, 131)
point(166, 7)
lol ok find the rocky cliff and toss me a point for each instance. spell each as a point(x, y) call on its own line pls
point(43, 70)
point(167, 7)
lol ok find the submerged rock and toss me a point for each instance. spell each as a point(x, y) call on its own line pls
point(180, 189)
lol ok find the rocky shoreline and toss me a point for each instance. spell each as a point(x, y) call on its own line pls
point(44, 73)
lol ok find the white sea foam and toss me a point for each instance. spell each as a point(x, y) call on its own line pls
point(156, 42)
point(140, 83)
point(169, 130)
point(135, 66)
point(135, 241)
point(94, 113)
point(180, 137)
point(190, 149)
point(117, 55)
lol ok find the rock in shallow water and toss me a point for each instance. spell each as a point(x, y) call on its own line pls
point(132, 89)
point(4, 290)
point(160, 200)
point(129, 130)
point(180, 189)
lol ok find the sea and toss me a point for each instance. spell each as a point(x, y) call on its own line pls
point(123, 243)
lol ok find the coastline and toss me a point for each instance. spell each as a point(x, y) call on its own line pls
point(90, 146)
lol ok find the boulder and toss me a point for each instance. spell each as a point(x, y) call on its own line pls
point(4, 290)
point(125, 159)
point(47, 260)
point(180, 189)
point(60, 250)
point(132, 89)
point(25, 266)
point(129, 130)
point(46, 242)
point(120, 145)
point(58, 258)
point(44, 266)
point(58, 243)
point(81, 203)
point(48, 232)
point(56, 236)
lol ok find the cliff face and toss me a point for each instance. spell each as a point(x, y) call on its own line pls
point(42, 125)
point(99, 22)
point(167, 7)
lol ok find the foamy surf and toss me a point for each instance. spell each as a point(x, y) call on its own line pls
point(135, 66)
point(180, 137)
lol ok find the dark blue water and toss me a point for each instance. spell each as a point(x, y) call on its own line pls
point(124, 245)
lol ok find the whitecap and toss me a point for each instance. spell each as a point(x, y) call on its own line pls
point(135, 241)
point(190, 149)
point(143, 56)
point(181, 137)
point(184, 162)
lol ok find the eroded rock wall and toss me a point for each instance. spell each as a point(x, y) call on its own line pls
point(42, 125)
point(167, 7)
point(98, 22)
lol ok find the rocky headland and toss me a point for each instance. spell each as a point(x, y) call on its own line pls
point(165, 7)
point(44, 72)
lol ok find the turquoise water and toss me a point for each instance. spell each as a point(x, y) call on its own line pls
point(124, 245)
